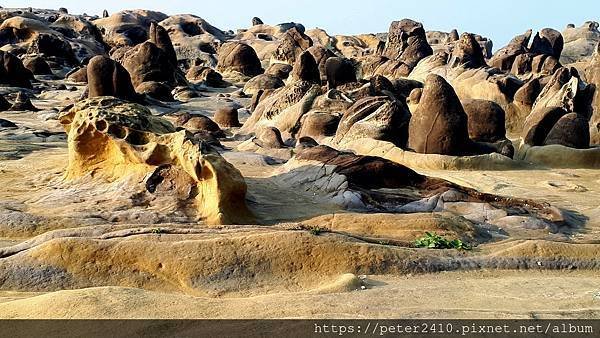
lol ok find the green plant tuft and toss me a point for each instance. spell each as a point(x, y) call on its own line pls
point(435, 241)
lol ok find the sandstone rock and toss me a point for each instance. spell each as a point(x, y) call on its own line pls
point(37, 66)
point(159, 36)
point(147, 62)
point(318, 125)
point(12, 71)
point(256, 21)
point(22, 103)
point(155, 90)
point(380, 118)
point(115, 139)
point(321, 54)
point(579, 42)
point(571, 130)
point(269, 137)
point(227, 117)
point(262, 82)
point(291, 45)
point(128, 27)
point(236, 57)
point(50, 45)
point(209, 76)
point(407, 42)
point(439, 124)
point(486, 120)
point(78, 75)
point(107, 77)
point(280, 70)
point(504, 57)
point(306, 69)
point(6, 124)
point(339, 71)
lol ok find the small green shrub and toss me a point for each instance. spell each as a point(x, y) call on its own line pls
point(157, 231)
point(435, 241)
point(316, 230)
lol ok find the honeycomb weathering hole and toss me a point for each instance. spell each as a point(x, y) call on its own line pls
point(117, 131)
point(101, 125)
point(137, 138)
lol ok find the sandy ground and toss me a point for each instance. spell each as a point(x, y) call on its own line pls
point(480, 294)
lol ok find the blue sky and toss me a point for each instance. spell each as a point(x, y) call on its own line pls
point(498, 19)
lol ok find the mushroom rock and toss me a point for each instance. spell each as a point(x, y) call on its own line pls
point(306, 69)
point(339, 71)
point(291, 45)
point(377, 117)
point(107, 77)
point(13, 72)
point(105, 13)
point(209, 76)
point(237, 58)
point(115, 140)
point(439, 124)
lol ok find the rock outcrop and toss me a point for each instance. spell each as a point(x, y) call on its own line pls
point(112, 139)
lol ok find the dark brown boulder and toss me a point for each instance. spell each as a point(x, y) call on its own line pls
point(269, 137)
point(467, 53)
point(262, 82)
point(51, 45)
point(486, 120)
point(539, 123)
point(209, 76)
point(306, 69)
point(158, 35)
point(527, 94)
point(407, 42)
point(227, 117)
point(548, 41)
point(37, 65)
point(321, 54)
point(291, 45)
point(4, 104)
point(280, 70)
point(155, 90)
point(198, 122)
point(339, 71)
point(317, 125)
point(23, 103)
point(439, 124)
point(256, 21)
point(12, 71)
point(146, 62)
point(571, 130)
point(107, 77)
point(504, 57)
point(238, 57)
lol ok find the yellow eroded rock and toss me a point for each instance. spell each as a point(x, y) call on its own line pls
point(112, 139)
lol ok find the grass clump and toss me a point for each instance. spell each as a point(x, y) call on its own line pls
point(435, 241)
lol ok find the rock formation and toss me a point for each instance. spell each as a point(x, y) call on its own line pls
point(113, 139)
